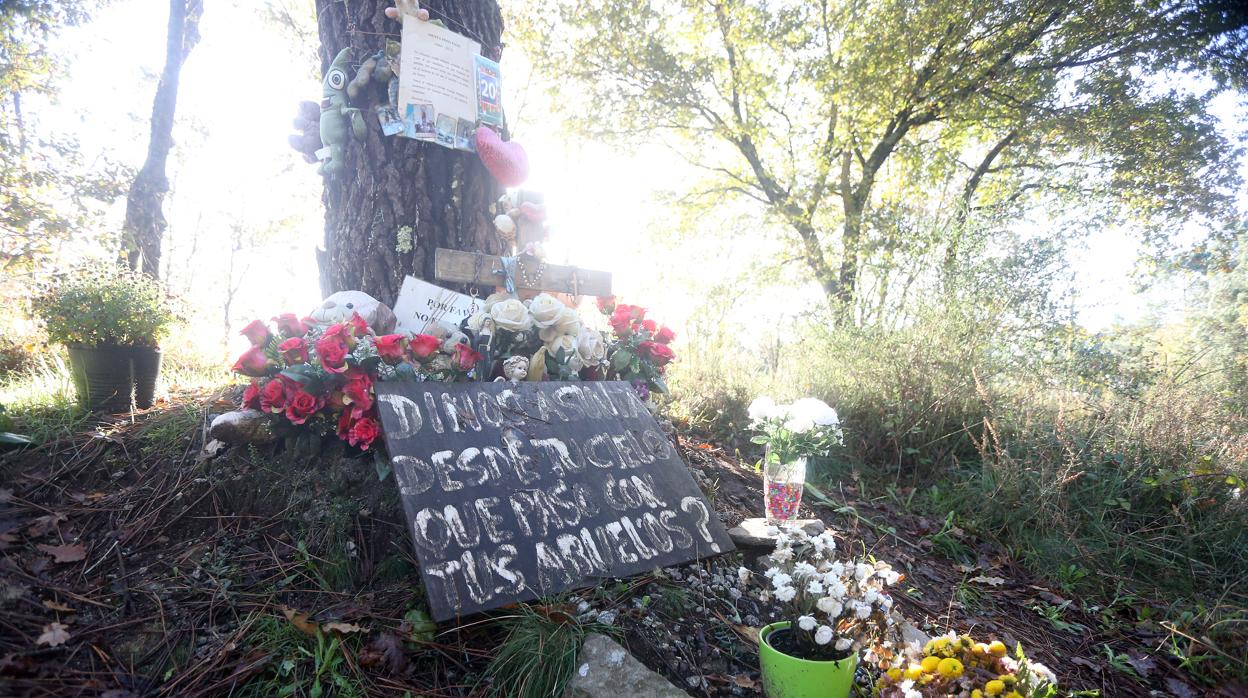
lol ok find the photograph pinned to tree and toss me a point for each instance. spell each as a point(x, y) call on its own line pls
point(791, 435)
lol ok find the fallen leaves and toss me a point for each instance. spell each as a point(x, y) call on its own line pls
point(990, 581)
point(56, 606)
point(70, 552)
point(340, 627)
point(43, 525)
point(54, 635)
point(302, 621)
point(386, 649)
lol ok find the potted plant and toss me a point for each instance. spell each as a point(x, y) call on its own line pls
point(111, 320)
point(792, 434)
point(831, 610)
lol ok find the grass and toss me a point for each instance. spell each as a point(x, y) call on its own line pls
point(538, 656)
point(302, 664)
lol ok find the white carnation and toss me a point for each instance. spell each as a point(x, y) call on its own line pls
point(844, 644)
point(823, 635)
point(806, 622)
point(786, 594)
point(762, 409)
point(830, 606)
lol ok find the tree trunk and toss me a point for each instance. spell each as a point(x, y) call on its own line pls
point(390, 182)
point(145, 220)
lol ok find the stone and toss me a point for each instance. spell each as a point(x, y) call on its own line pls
point(752, 533)
point(604, 669)
point(242, 427)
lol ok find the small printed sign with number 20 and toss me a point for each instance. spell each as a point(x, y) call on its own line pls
point(489, 92)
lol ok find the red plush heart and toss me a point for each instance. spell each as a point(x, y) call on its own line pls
point(507, 161)
point(533, 212)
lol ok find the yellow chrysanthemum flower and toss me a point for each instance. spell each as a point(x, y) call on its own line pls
point(1013, 694)
point(994, 687)
point(949, 668)
point(997, 648)
point(914, 671)
point(894, 674)
point(976, 693)
point(929, 664)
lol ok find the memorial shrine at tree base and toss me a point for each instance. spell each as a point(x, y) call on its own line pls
point(515, 491)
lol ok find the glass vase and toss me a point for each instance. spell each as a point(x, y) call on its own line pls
point(783, 482)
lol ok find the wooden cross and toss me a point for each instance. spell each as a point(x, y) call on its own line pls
point(530, 273)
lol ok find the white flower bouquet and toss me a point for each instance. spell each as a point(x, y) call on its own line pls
point(835, 607)
point(791, 433)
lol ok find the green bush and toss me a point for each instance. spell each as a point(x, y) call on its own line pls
point(101, 305)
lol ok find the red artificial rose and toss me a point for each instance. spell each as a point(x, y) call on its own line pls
point(294, 351)
point(358, 324)
point(344, 424)
point(660, 354)
point(606, 304)
point(650, 326)
point(290, 325)
point(390, 348)
point(273, 395)
point(302, 405)
point(621, 321)
point(257, 333)
point(332, 350)
point(358, 391)
point(465, 357)
point(665, 335)
point(251, 396)
point(363, 432)
point(252, 363)
point(422, 346)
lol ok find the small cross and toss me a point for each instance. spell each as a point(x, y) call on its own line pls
point(531, 273)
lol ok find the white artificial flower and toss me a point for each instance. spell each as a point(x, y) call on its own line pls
point(762, 409)
point(889, 576)
point(799, 424)
point(862, 570)
point(804, 569)
point(565, 343)
point(590, 346)
point(806, 622)
point(844, 644)
point(510, 314)
point(475, 321)
point(781, 580)
point(815, 410)
point(545, 309)
point(871, 596)
point(815, 587)
point(830, 606)
point(743, 574)
point(824, 543)
point(771, 571)
point(907, 688)
point(786, 594)
point(863, 611)
point(837, 568)
point(823, 635)
point(1042, 672)
point(781, 555)
point(494, 299)
point(835, 587)
point(568, 322)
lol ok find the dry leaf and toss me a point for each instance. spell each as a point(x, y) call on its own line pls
point(300, 620)
point(44, 525)
point(745, 682)
point(7, 539)
point(340, 627)
point(54, 634)
point(73, 552)
point(56, 606)
point(1142, 663)
point(747, 633)
point(1180, 689)
point(990, 581)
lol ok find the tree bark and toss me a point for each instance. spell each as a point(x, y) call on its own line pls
point(390, 182)
point(145, 224)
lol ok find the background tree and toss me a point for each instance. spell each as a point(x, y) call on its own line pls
point(438, 196)
point(848, 121)
point(145, 220)
point(48, 192)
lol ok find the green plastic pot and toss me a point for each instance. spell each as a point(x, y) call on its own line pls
point(789, 677)
point(114, 379)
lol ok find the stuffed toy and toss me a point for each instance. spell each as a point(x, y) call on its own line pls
point(307, 123)
point(338, 121)
point(342, 305)
point(507, 160)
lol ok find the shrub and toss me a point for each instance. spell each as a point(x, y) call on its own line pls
point(107, 304)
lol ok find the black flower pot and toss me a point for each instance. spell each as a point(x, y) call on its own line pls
point(115, 378)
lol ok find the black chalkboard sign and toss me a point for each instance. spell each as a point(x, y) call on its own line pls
point(519, 490)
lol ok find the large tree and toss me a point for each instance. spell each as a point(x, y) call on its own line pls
point(845, 120)
point(394, 190)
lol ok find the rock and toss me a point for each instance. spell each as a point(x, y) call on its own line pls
point(242, 427)
point(752, 533)
point(913, 639)
point(607, 670)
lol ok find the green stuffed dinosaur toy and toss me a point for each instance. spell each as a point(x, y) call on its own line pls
point(338, 121)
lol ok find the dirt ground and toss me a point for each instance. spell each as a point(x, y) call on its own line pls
point(132, 563)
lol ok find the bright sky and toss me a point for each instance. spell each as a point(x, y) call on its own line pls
point(233, 167)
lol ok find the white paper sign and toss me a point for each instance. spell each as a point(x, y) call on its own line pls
point(421, 304)
point(437, 77)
